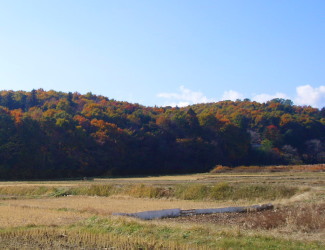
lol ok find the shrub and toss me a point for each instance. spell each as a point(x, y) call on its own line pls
point(146, 191)
point(220, 191)
point(192, 192)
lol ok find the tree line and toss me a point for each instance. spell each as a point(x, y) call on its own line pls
point(50, 134)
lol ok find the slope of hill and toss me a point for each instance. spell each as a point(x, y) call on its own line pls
point(49, 134)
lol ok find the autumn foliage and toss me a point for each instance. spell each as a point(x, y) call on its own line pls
point(49, 134)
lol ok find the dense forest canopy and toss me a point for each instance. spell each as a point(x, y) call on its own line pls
point(50, 134)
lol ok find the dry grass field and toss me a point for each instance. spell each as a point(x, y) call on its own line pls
point(108, 205)
point(78, 214)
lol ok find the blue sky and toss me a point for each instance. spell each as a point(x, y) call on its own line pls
point(166, 52)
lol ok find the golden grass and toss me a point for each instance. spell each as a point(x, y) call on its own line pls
point(191, 177)
point(117, 204)
point(13, 216)
point(292, 178)
point(56, 238)
point(128, 234)
point(38, 184)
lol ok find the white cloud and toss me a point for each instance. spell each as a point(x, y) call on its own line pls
point(232, 95)
point(266, 97)
point(178, 104)
point(307, 95)
point(185, 97)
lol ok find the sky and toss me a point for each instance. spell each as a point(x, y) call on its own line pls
point(166, 52)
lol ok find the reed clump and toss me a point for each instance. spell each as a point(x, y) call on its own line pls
point(149, 191)
point(225, 191)
point(193, 191)
point(94, 190)
point(27, 190)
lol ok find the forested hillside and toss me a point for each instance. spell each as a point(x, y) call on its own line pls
point(49, 134)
